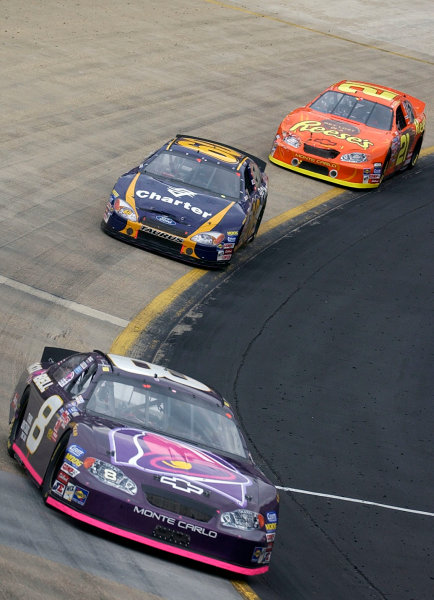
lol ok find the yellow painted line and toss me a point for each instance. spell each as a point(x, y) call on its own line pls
point(156, 307)
point(426, 151)
point(317, 31)
point(245, 590)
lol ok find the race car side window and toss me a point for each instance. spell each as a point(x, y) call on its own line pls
point(256, 173)
point(67, 366)
point(409, 110)
point(82, 382)
point(248, 179)
point(400, 119)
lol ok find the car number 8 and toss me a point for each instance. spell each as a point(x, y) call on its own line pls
point(46, 412)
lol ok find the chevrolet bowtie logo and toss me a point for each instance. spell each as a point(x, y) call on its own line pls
point(181, 484)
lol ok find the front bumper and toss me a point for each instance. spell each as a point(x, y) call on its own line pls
point(165, 243)
point(245, 553)
point(354, 175)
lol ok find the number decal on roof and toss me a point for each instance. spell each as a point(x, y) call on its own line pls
point(210, 149)
point(369, 90)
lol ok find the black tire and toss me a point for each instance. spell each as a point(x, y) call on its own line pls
point(258, 223)
point(54, 465)
point(385, 167)
point(16, 423)
point(415, 155)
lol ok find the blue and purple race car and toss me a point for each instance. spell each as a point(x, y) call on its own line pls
point(193, 199)
point(145, 453)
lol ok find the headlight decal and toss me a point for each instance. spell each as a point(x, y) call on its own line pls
point(110, 475)
point(244, 519)
point(354, 157)
point(129, 198)
point(189, 244)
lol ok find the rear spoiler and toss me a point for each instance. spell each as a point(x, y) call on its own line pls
point(261, 163)
point(53, 355)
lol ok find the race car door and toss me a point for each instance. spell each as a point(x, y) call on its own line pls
point(406, 132)
point(251, 202)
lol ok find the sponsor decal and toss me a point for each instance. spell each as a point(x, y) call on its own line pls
point(272, 517)
point(66, 379)
point(419, 125)
point(165, 220)
point(232, 238)
point(259, 554)
point(58, 488)
point(270, 537)
point(80, 495)
point(162, 234)
point(179, 192)
point(317, 127)
point(146, 194)
point(25, 425)
point(73, 411)
point(151, 514)
point(76, 450)
point(69, 469)
point(53, 434)
point(62, 477)
point(42, 382)
point(69, 492)
point(163, 456)
point(35, 367)
point(270, 526)
point(73, 460)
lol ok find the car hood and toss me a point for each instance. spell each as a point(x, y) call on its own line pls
point(161, 203)
point(330, 131)
point(156, 460)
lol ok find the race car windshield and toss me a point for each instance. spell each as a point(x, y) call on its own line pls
point(356, 109)
point(195, 172)
point(165, 410)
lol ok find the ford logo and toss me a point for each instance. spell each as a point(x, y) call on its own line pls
point(166, 220)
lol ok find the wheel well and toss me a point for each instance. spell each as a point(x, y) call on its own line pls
point(55, 462)
point(16, 422)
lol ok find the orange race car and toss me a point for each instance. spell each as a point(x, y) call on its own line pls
point(353, 134)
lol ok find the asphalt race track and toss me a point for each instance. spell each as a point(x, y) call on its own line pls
point(324, 342)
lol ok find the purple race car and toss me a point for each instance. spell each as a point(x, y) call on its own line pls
point(145, 453)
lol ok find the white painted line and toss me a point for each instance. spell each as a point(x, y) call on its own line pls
point(345, 499)
point(80, 308)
